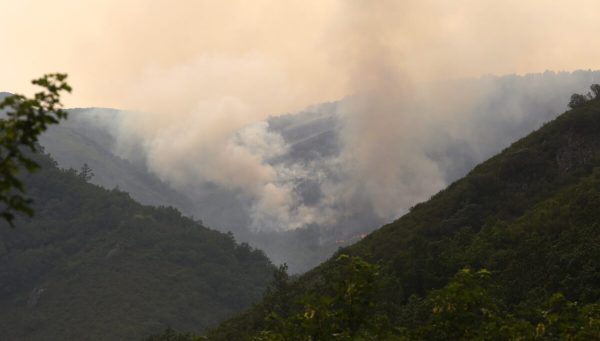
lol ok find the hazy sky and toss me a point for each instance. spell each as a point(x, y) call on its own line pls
point(123, 53)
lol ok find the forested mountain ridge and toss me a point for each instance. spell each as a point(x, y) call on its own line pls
point(529, 216)
point(93, 264)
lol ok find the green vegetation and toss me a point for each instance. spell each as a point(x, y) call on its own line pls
point(467, 308)
point(578, 100)
point(94, 264)
point(26, 118)
point(528, 218)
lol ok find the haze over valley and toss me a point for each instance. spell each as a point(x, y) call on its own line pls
point(316, 186)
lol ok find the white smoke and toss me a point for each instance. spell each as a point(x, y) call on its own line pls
point(393, 149)
point(204, 87)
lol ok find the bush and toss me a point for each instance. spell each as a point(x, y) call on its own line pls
point(595, 90)
point(577, 100)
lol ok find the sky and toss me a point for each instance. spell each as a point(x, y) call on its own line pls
point(121, 53)
point(199, 72)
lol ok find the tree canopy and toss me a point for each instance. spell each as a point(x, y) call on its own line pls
point(578, 100)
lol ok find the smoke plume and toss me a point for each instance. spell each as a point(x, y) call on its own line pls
point(202, 79)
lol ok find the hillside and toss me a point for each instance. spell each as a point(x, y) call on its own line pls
point(94, 264)
point(86, 138)
point(528, 215)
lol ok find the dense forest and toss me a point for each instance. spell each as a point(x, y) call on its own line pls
point(94, 264)
point(508, 252)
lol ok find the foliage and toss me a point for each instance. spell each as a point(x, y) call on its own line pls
point(171, 335)
point(578, 100)
point(595, 90)
point(86, 172)
point(340, 309)
point(94, 264)
point(467, 308)
point(26, 118)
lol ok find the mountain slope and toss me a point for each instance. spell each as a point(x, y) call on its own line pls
point(85, 139)
point(529, 215)
point(94, 264)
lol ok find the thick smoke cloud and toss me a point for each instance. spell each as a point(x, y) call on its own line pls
point(216, 138)
point(469, 121)
point(202, 78)
point(364, 160)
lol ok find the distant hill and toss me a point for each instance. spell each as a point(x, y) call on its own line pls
point(528, 215)
point(93, 264)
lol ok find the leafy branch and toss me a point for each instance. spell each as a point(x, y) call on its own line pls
point(25, 119)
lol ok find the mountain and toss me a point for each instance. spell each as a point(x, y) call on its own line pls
point(527, 217)
point(313, 166)
point(85, 138)
point(93, 264)
point(89, 137)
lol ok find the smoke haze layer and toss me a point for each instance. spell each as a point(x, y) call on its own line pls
point(203, 77)
point(352, 164)
point(115, 50)
point(330, 173)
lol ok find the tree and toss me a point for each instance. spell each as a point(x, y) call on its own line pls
point(25, 119)
point(595, 90)
point(86, 172)
point(343, 308)
point(577, 100)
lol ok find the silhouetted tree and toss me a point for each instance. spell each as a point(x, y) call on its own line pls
point(577, 100)
point(86, 172)
point(595, 90)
